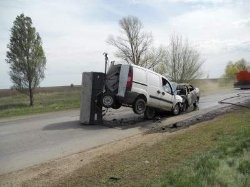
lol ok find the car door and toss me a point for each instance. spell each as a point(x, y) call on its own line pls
point(167, 97)
point(189, 96)
point(153, 82)
point(192, 94)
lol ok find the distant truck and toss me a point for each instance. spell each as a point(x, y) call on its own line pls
point(243, 80)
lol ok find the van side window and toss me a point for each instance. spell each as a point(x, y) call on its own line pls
point(166, 86)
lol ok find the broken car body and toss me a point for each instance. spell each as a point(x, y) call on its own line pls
point(190, 94)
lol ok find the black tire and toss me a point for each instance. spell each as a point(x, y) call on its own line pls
point(149, 113)
point(139, 106)
point(184, 106)
point(176, 109)
point(107, 100)
point(196, 103)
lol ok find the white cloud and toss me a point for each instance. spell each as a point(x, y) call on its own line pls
point(220, 33)
point(182, 1)
point(201, 1)
point(72, 44)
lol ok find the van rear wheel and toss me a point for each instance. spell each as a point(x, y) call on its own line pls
point(139, 106)
point(149, 113)
point(107, 100)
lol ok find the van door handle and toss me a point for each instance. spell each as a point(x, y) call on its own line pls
point(158, 91)
point(163, 93)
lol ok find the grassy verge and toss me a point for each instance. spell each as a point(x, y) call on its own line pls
point(227, 165)
point(18, 104)
point(213, 154)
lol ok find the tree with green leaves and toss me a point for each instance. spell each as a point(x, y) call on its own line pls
point(26, 57)
point(235, 67)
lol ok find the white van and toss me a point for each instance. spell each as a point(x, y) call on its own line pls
point(144, 90)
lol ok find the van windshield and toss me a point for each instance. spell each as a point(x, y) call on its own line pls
point(174, 86)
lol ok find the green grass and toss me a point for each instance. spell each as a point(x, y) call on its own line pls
point(227, 165)
point(213, 154)
point(45, 101)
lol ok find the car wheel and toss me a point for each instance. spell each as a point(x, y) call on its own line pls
point(149, 113)
point(139, 106)
point(196, 103)
point(184, 106)
point(107, 100)
point(176, 109)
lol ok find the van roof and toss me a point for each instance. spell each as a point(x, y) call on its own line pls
point(133, 65)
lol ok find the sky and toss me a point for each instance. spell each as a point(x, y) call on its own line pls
point(75, 32)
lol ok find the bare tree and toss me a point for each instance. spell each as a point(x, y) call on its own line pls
point(133, 44)
point(183, 62)
point(154, 58)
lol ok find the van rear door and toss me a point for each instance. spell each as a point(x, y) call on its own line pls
point(123, 80)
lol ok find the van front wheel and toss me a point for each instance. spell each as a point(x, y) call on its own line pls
point(149, 113)
point(139, 106)
point(176, 109)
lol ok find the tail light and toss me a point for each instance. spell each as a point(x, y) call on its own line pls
point(130, 79)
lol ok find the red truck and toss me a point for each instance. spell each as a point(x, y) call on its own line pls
point(243, 80)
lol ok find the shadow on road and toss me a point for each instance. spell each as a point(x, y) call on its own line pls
point(72, 125)
point(122, 121)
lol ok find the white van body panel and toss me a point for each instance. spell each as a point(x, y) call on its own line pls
point(140, 91)
point(149, 84)
point(153, 89)
point(139, 83)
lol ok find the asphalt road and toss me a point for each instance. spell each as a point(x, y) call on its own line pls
point(25, 141)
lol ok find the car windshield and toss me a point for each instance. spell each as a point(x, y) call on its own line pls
point(174, 86)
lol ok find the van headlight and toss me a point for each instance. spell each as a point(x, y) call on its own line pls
point(179, 98)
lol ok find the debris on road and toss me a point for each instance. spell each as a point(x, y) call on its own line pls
point(198, 118)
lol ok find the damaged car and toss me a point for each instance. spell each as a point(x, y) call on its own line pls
point(189, 93)
point(142, 89)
